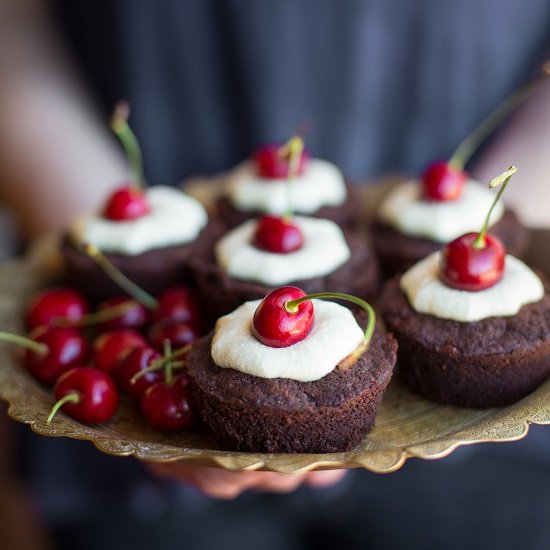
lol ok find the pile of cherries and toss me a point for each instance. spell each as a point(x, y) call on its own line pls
point(124, 353)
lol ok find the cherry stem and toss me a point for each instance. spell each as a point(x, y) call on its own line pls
point(158, 364)
point(500, 181)
point(72, 397)
point(292, 307)
point(97, 317)
point(119, 125)
point(136, 292)
point(472, 142)
point(37, 347)
point(168, 365)
point(292, 149)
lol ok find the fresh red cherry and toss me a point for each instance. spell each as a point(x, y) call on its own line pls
point(442, 182)
point(476, 261)
point(278, 235)
point(467, 267)
point(133, 316)
point(56, 303)
point(110, 348)
point(169, 406)
point(179, 334)
point(64, 348)
point(137, 360)
point(126, 203)
point(178, 303)
point(271, 164)
point(275, 326)
point(87, 395)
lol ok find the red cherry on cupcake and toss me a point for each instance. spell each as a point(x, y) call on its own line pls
point(476, 261)
point(126, 203)
point(278, 235)
point(271, 164)
point(136, 361)
point(58, 350)
point(169, 405)
point(275, 326)
point(86, 394)
point(56, 303)
point(442, 182)
point(110, 348)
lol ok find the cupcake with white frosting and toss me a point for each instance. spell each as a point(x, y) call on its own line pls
point(233, 267)
point(318, 394)
point(258, 186)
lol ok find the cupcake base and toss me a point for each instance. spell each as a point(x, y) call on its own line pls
point(279, 415)
point(488, 363)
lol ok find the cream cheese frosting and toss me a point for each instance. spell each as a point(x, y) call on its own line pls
point(174, 219)
point(334, 336)
point(321, 184)
point(428, 294)
point(404, 209)
point(324, 250)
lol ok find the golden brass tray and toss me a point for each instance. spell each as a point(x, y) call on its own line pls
point(406, 426)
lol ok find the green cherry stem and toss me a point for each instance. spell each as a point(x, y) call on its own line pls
point(500, 181)
point(168, 365)
point(292, 307)
point(97, 317)
point(472, 142)
point(292, 149)
point(72, 397)
point(119, 125)
point(137, 293)
point(37, 347)
point(159, 364)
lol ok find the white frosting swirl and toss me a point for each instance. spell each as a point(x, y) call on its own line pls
point(334, 336)
point(324, 250)
point(175, 218)
point(404, 209)
point(321, 184)
point(428, 294)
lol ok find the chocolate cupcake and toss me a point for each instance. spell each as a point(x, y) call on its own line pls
point(408, 227)
point(313, 412)
point(229, 269)
point(153, 250)
point(260, 186)
point(471, 349)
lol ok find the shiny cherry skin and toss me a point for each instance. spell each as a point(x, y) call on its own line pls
point(178, 333)
point(441, 182)
point(126, 203)
point(276, 327)
point(110, 348)
point(270, 164)
point(169, 406)
point(66, 348)
point(138, 359)
point(56, 303)
point(98, 395)
point(277, 235)
point(178, 303)
point(466, 267)
point(133, 318)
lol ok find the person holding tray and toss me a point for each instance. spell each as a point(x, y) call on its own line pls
point(383, 87)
